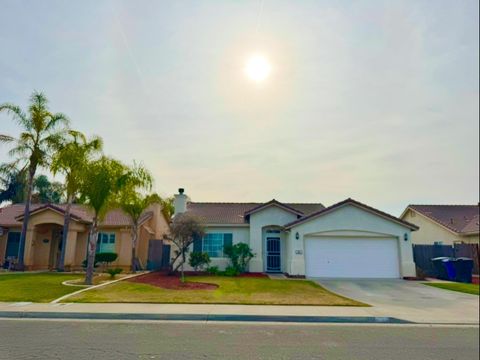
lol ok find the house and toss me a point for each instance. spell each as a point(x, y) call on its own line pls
point(43, 239)
point(348, 239)
point(444, 224)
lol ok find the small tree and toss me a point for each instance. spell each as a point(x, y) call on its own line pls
point(198, 260)
point(183, 231)
point(240, 255)
point(101, 182)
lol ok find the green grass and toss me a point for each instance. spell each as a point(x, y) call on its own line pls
point(231, 290)
point(460, 287)
point(39, 287)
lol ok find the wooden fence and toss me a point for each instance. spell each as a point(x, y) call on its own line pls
point(423, 254)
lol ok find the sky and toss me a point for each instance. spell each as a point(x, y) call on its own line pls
point(374, 100)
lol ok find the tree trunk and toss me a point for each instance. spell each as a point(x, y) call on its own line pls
point(26, 217)
point(134, 245)
point(66, 225)
point(183, 262)
point(92, 247)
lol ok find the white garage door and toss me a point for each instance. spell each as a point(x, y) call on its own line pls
point(351, 258)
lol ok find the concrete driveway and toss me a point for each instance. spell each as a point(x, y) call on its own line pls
point(409, 300)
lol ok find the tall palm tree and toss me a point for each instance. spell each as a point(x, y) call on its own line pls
point(71, 160)
point(101, 181)
point(42, 131)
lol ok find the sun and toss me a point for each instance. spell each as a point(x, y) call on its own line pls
point(258, 68)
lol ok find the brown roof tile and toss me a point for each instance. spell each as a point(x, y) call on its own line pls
point(234, 213)
point(458, 218)
point(12, 215)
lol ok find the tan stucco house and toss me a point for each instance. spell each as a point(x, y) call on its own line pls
point(43, 239)
point(444, 224)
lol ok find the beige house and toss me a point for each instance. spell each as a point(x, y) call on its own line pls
point(443, 224)
point(43, 239)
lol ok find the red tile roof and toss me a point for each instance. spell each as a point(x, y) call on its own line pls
point(356, 203)
point(461, 219)
point(234, 213)
point(12, 215)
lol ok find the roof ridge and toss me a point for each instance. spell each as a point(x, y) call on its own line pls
point(443, 205)
point(223, 202)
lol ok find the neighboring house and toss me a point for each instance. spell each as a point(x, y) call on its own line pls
point(43, 240)
point(444, 224)
point(348, 239)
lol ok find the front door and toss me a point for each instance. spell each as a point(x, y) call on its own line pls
point(273, 254)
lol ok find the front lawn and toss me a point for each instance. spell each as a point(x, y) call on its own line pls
point(38, 287)
point(460, 287)
point(231, 290)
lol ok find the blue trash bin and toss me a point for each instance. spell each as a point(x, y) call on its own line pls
point(451, 269)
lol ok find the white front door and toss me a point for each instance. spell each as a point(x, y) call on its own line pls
point(273, 254)
point(341, 257)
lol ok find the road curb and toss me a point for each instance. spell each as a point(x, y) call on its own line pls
point(203, 317)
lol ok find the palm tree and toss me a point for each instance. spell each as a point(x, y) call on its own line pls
point(133, 202)
point(101, 181)
point(42, 132)
point(71, 160)
point(134, 205)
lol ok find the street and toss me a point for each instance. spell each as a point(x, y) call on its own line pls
point(65, 339)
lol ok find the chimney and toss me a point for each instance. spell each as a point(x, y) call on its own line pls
point(180, 202)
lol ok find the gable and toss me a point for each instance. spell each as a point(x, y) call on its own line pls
point(352, 213)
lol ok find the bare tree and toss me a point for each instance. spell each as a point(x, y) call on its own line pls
point(184, 230)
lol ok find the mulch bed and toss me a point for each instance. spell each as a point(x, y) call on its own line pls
point(171, 282)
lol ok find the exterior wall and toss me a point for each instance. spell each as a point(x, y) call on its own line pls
point(430, 231)
point(239, 235)
point(344, 219)
point(271, 216)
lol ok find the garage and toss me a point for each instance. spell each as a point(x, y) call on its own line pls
point(346, 257)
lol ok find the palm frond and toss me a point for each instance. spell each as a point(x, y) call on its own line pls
point(18, 115)
point(6, 138)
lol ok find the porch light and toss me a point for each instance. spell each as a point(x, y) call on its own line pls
point(405, 237)
point(297, 235)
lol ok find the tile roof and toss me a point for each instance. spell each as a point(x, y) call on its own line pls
point(234, 213)
point(356, 203)
point(458, 218)
point(11, 215)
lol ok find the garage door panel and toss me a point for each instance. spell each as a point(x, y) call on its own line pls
point(352, 258)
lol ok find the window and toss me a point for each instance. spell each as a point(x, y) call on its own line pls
point(106, 242)
point(213, 244)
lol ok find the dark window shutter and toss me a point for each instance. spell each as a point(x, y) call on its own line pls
point(197, 244)
point(227, 240)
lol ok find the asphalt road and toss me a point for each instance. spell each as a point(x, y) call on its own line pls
point(47, 339)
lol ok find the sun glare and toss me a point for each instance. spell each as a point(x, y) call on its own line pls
point(258, 68)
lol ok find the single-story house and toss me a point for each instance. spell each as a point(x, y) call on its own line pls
point(346, 240)
point(444, 224)
point(45, 227)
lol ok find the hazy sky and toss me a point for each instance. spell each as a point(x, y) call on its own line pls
point(375, 100)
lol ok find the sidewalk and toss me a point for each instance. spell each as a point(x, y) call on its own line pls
point(372, 314)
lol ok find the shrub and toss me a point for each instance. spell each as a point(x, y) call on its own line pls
point(114, 272)
point(198, 260)
point(104, 258)
point(212, 270)
point(231, 271)
point(240, 255)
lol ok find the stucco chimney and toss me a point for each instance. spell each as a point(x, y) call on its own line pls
point(180, 202)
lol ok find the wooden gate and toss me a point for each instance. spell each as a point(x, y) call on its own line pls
point(158, 255)
point(423, 254)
